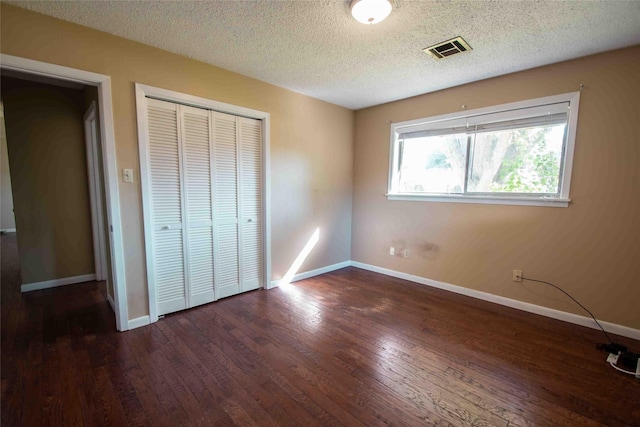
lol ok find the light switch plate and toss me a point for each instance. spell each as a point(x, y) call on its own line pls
point(127, 175)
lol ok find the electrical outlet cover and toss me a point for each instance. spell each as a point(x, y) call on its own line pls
point(127, 175)
point(517, 275)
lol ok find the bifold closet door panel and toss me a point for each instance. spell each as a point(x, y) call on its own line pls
point(250, 149)
point(225, 194)
point(206, 198)
point(196, 148)
point(166, 203)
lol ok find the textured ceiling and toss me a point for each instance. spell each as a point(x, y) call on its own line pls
point(318, 49)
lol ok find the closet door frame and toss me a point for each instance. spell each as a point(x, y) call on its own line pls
point(142, 93)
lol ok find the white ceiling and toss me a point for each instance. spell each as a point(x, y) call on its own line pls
point(317, 48)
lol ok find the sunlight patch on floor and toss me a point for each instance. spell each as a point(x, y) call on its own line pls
point(302, 256)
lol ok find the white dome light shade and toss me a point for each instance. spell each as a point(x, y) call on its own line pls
point(370, 11)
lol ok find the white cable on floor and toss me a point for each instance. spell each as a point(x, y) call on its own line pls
point(621, 370)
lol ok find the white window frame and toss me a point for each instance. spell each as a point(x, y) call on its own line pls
point(563, 200)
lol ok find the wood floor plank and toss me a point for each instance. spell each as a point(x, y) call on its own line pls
point(405, 346)
point(338, 379)
point(348, 348)
point(512, 362)
point(255, 383)
point(139, 399)
point(237, 385)
point(211, 394)
point(113, 413)
point(274, 370)
point(151, 384)
point(336, 333)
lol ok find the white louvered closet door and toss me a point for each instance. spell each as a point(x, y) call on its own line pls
point(166, 206)
point(225, 154)
point(250, 149)
point(196, 148)
point(206, 204)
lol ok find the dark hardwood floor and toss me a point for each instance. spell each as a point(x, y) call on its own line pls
point(349, 348)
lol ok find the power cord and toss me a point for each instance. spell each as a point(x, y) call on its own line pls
point(621, 370)
point(627, 358)
point(576, 301)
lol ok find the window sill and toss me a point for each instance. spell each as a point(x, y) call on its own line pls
point(519, 201)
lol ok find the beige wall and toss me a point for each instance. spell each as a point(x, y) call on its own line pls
point(591, 248)
point(7, 219)
point(311, 141)
point(49, 175)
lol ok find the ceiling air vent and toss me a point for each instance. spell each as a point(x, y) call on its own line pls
point(447, 48)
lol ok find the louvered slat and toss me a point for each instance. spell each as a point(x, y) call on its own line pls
point(251, 191)
point(201, 265)
point(169, 271)
point(166, 207)
point(251, 256)
point(197, 163)
point(226, 198)
point(227, 278)
point(226, 205)
point(164, 162)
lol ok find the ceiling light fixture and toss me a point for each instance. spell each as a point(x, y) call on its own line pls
point(370, 11)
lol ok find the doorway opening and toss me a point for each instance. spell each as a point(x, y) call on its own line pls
point(80, 228)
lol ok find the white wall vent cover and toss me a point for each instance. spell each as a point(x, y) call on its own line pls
point(447, 48)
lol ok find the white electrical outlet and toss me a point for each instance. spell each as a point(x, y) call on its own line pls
point(517, 275)
point(392, 250)
point(405, 253)
point(612, 358)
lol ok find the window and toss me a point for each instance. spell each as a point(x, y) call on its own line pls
point(519, 153)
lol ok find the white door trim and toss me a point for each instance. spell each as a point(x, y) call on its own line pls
point(144, 91)
point(95, 193)
point(109, 165)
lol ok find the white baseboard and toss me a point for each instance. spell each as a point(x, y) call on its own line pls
point(139, 322)
point(26, 287)
point(508, 302)
point(311, 273)
point(520, 305)
point(8, 230)
point(111, 302)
